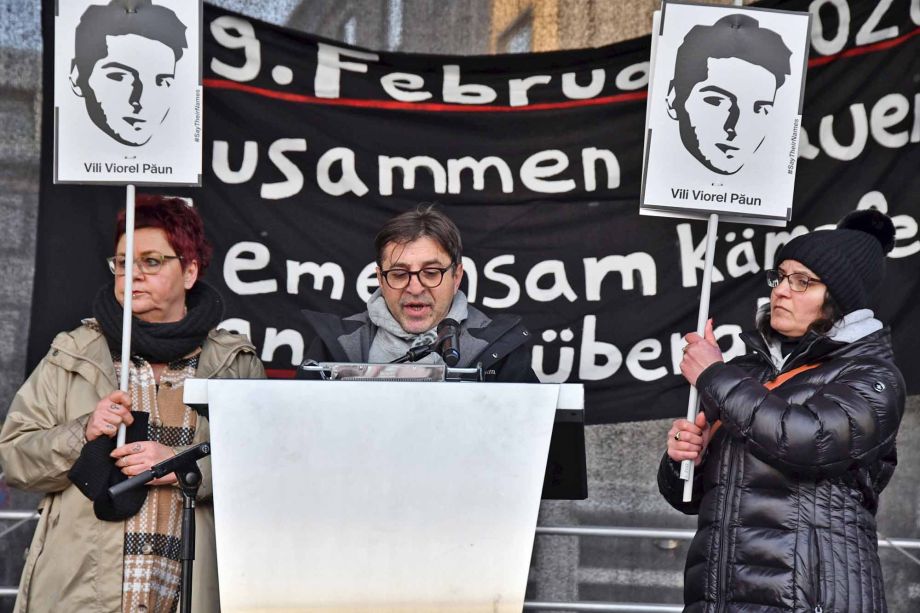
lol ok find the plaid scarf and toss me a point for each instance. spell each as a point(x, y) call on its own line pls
point(152, 570)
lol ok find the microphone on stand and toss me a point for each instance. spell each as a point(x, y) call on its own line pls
point(448, 341)
point(447, 344)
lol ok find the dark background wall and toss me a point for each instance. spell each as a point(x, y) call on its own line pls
point(622, 458)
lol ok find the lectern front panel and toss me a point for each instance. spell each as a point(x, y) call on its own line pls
point(377, 496)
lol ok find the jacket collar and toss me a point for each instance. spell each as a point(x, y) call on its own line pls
point(219, 351)
point(858, 333)
point(86, 352)
point(349, 339)
point(854, 326)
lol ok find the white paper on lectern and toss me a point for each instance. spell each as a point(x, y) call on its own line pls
point(377, 496)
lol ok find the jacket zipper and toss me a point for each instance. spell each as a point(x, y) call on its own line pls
point(816, 546)
point(726, 529)
point(816, 572)
point(789, 364)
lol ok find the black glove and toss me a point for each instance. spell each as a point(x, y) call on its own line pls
point(95, 472)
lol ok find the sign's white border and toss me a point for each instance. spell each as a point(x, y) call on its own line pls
point(168, 147)
point(675, 183)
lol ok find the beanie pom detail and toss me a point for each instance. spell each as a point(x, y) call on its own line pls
point(871, 221)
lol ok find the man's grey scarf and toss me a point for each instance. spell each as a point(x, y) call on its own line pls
point(391, 341)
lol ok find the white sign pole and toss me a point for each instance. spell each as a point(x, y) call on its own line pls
point(129, 288)
point(695, 167)
point(693, 405)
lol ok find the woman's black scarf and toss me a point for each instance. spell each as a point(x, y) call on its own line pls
point(94, 471)
point(160, 343)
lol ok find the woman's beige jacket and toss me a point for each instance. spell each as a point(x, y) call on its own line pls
point(75, 560)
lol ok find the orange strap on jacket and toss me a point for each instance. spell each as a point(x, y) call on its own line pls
point(770, 385)
point(787, 375)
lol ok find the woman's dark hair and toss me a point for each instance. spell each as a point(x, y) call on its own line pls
point(179, 221)
point(831, 313)
point(424, 221)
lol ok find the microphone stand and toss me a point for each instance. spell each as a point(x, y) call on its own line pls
point(414, 354)
point(185, 465)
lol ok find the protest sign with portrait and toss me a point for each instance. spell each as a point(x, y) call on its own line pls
point(127, 92)
point(724, 113)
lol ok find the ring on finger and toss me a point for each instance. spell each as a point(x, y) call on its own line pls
point(677, 436)
point(109, 426)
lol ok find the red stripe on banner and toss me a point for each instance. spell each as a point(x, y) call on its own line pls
point(880, 46)
point(485, 108)
point(419, 106)
point(280, 373)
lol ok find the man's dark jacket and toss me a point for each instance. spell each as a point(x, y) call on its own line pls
point(788, 488)
point(500, 343)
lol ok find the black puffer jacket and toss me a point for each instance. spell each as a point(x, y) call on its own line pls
point(788, 488)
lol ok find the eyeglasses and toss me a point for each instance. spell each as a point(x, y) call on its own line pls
point(149, 263)
point(798, 281)
point(399, 278)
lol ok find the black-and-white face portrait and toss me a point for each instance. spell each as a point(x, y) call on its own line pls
point(123, 67)
point(726, 78)
point(724, 112)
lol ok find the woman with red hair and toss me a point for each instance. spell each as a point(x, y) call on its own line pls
point(91, 552)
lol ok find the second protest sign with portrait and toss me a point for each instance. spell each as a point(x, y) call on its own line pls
point(724, 113)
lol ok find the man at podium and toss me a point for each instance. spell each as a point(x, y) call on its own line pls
point(419, 269)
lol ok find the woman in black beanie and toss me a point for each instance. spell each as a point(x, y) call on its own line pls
point(796, 439)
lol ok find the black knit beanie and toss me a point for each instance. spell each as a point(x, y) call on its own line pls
point(850, 259)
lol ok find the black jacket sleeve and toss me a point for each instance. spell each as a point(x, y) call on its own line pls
point(671, 485)
point(848, 416)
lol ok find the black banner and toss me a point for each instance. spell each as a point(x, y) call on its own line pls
point(310, 145)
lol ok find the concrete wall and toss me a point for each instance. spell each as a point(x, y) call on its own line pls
point(20, 110)
point(622, 458)
point(412, 26)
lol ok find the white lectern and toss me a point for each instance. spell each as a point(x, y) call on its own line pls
point(377, 496)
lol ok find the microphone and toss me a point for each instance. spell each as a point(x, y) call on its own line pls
point(447, 345)
point(448, 341)
point(169, 465)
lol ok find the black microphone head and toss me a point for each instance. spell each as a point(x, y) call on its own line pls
point(448, 341)
point(445, 323)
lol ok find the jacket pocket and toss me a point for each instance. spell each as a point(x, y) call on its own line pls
point(816, 568)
